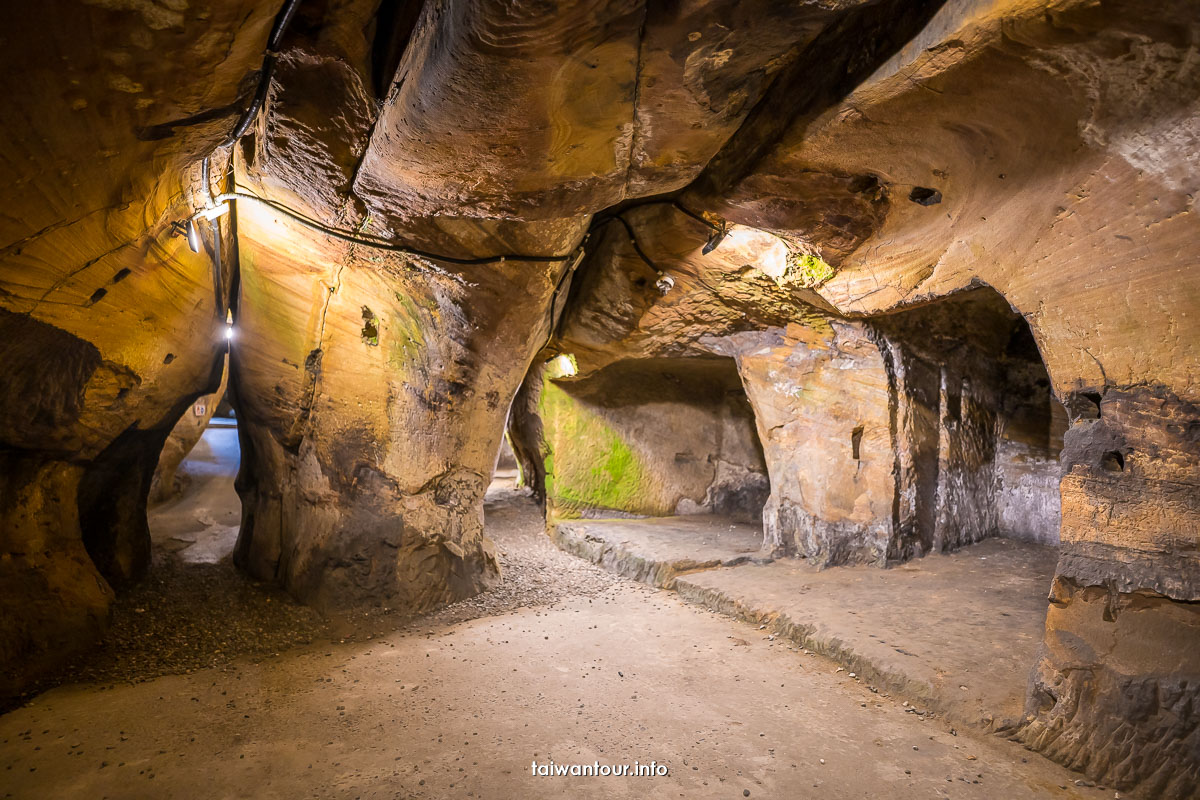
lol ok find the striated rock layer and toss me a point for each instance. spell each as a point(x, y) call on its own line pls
point(951, 259)
point(109, 324)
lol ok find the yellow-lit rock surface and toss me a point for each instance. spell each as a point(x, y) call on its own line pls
point(109, 324)
point(372, 398)
point(952, 258)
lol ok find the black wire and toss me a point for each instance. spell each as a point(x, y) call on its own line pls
point(642, 253)
point(395, 247)
point(695, 216)
point(260, 96)
point(265, 73)
point(281, 23)
point(633, 241)
point(605, 218)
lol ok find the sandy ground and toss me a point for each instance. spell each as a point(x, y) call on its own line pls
point(201, 525)
point(953, 633)
point(561, 661)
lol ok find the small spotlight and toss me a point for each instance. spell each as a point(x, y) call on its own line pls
point(193, 236)
point(664, 284)
point(714, 239)
point(228, 332)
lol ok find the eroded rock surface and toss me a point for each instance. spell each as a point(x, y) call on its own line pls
point(651, 437)
point(950, 259)
point(109, 324)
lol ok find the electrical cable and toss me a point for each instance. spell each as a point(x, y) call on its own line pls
point(642, 253)
point(604, 218)
point(282, 20)
point(265, 72)
point(633, 240)
point(385, 244)
point(260, 95)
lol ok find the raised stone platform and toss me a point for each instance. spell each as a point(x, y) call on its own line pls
point(954, 634)
point(657, 550)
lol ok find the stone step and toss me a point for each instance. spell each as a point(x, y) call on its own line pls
point(656, 551)
point(953, 634)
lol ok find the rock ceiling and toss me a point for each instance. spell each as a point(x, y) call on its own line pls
point(431, 194)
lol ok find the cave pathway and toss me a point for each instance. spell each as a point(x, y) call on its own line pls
point(561, 661)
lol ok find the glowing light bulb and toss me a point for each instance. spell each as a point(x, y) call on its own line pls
point(228, 332)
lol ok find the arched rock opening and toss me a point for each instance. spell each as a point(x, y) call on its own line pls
point(652, 437)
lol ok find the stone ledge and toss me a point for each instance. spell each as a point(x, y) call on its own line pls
point(656, 551)
point(920, 631)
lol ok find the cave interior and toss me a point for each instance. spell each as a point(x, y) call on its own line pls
point(811, 297)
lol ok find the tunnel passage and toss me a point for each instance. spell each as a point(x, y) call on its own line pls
point(651, 437)
point(893, 437)
point(195, 512)
point(978, 432)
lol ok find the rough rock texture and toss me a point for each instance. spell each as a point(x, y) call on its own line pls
point(884, 439)
point(372, 404)
point(1131, 495)
point(654, 437)
point(1114, 691)
point(108, 322)
point(183, 438)
point(821, 404)
point(842, 161)
point(1122, 638)
point(1032, 147)
point(532, 110)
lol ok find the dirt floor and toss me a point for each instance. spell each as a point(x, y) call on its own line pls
point(560, 662)
point(953, 633)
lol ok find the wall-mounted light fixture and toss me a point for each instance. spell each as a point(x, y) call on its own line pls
point(187, 229)
point(193, 235)
point(715, 237)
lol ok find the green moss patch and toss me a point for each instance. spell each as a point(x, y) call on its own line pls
point(588, 464)
point(808, 270)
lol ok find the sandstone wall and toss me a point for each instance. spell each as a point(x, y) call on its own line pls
point(183, 437)
point(821, 400)
point(109, 324)
point(371, 403)
point(850, 163)
point(652, 437)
